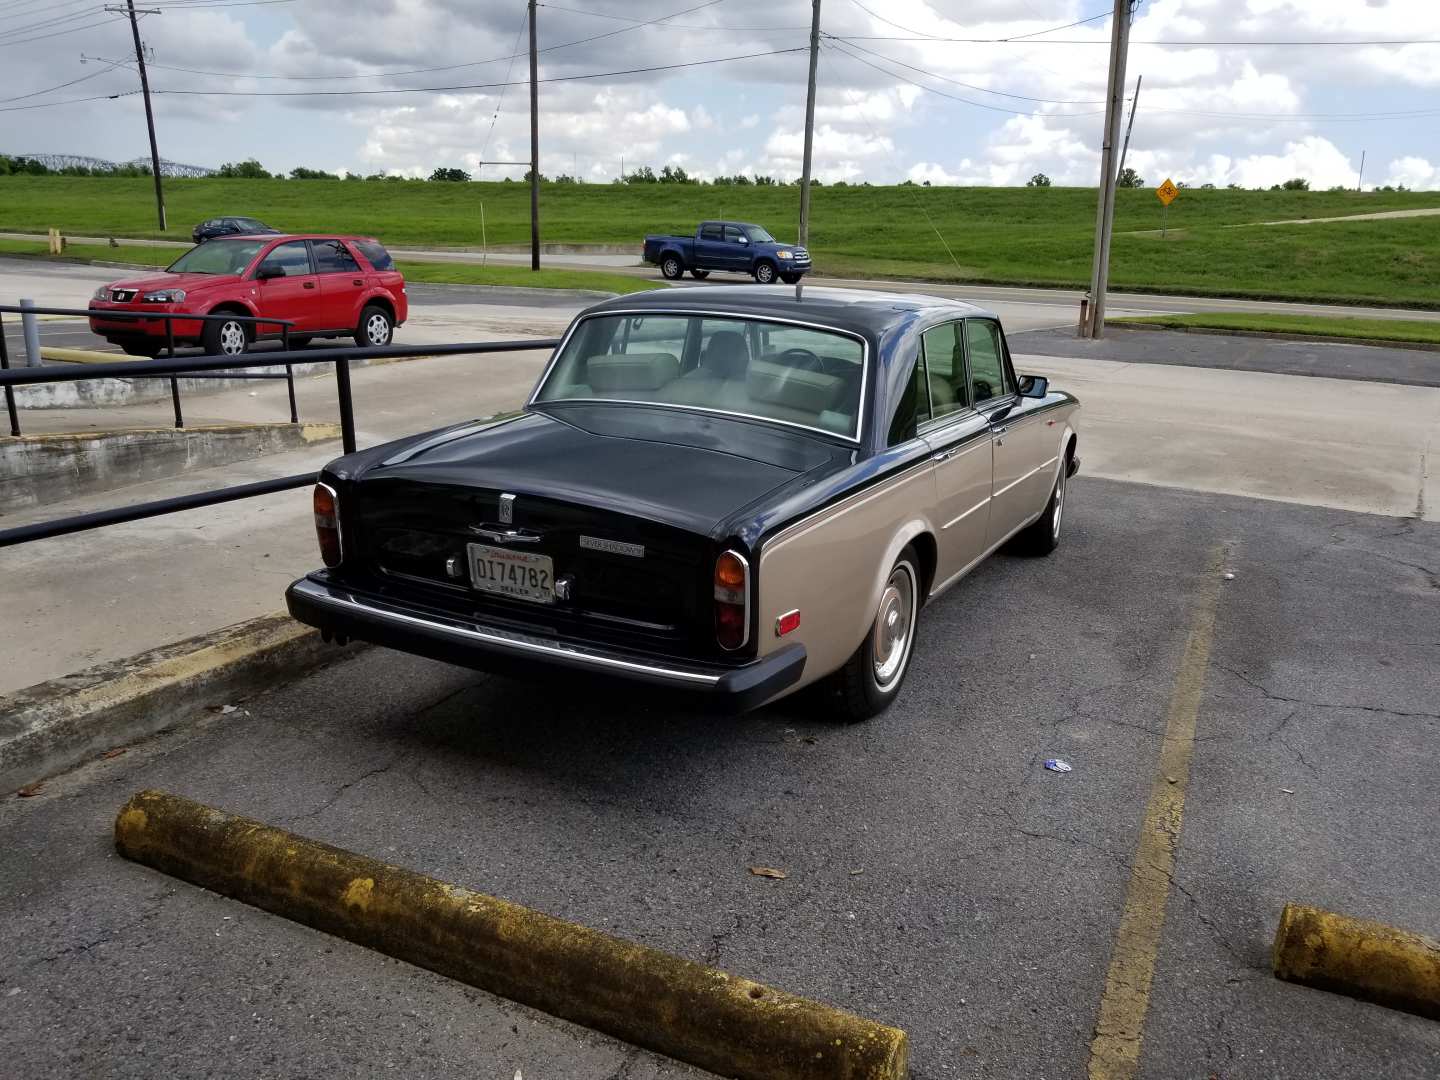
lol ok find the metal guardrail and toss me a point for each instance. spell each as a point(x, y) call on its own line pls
point(172, 366)
point(169, 319)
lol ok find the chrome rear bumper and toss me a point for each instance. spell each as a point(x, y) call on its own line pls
point(339, 610)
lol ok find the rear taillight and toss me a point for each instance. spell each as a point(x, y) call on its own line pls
point(732, 600)
point(327, 523)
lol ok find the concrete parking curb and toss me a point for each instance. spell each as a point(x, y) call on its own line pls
point(1273, 335)
point(79, 356)
point(652, 999)
point(1362, 959)
point(56, 725)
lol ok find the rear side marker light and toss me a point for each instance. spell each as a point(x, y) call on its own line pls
point(732, 600)
point(787, 622)
point(327, 523)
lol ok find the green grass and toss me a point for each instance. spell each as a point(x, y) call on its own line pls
point(1427, 333)
point(1037, 236)
point(438, 272)
point(468, 274)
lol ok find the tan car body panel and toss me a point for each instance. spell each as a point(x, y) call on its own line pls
point(832, 565)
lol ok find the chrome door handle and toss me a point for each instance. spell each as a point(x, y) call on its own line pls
point(944, 455)
point(505, 536)
point(1000, 430)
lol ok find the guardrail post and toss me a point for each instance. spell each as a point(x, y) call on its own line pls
point(9, 390)
point(174, 382)
point(289, 371)
point(31, 328)
point(347, 405)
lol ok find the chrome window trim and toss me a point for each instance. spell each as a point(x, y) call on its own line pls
point(861, 409)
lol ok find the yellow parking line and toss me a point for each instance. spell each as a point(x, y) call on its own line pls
point(1115, 1050)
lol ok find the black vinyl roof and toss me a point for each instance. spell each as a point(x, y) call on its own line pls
point(873, 314)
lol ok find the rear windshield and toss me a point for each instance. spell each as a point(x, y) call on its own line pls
point(777, 371)
point(217, 257)
point(375, 254)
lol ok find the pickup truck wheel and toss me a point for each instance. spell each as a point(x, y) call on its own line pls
point(225, 337)
point(699, 275)
point(1043, 535)
point(789, 279)
point(375, 328)
point(870, 680)
point(670, 268)
point(765, 272)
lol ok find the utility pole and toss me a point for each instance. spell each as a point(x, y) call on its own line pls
point(1134, 104)
point(809, 124)
point(534, 145)
point(1105, 211)
point(1360, 180)
point(129, 9)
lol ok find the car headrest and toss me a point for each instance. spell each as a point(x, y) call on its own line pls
point(631, 371)
point(778, 384)
point(726, 355)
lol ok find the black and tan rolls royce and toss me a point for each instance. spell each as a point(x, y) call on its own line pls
point(729, 493)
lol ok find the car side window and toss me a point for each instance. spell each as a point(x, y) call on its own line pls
point(733, 235)
point(711, 232)
point(913, 408)
point(291, 258)
point(945, 369)
point(331, 257)
point(987, 360)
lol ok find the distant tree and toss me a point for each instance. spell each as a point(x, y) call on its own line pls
point(566, 178)
point(1129, 178)
point(353, 176)
point(926, 183)
point(907, 183)
point(1181, 185)
point(526, 177)
point(302, 173)
point(1038, 180)
point(1233, 187)
point(249, 169)
point(454, 176)
point(643, 175)
point(675, 174)
point(840, 183)
point(765, 181)
point(1296, 184)
point(1207, 187)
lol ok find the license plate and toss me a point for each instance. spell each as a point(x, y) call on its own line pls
point(517, 574)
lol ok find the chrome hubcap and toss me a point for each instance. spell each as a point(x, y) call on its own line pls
point(894, 627)
point(378, 329)
point(765, 274)
point(232, 339)
point(672, 268)
point(1059, 504)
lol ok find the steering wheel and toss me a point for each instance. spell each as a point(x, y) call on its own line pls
point(803, 359)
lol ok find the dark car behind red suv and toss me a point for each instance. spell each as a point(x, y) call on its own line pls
point(324, 285)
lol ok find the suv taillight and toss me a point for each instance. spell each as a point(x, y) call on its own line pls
point(732, 600)
point(327, 523)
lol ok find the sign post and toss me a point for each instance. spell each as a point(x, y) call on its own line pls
point(1166, 193)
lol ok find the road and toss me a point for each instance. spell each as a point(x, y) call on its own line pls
point(939, 878)
point(1064, 302)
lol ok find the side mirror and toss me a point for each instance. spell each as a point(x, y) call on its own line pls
point(1034, 386)
point(744, 240)
point(266, 273)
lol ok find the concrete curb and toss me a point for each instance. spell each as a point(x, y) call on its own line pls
point(47, 468)
point(697, 1014)
point(1358, 958)
point(56, 725)
point(82, 356)
point(1273, 335)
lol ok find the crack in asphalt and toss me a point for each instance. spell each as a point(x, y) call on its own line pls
point(712, 954)
point(1257, 685)
point(158, 900)
point(1276, 736)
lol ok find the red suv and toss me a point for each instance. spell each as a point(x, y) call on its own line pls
point(326, 286)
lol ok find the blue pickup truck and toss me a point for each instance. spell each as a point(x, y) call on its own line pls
point(728, 245)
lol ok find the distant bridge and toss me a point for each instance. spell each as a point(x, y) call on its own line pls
point(65, 161)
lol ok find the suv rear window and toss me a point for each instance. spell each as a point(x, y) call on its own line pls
point(375, 252)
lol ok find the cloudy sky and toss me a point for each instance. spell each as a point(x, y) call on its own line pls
point(951, 91)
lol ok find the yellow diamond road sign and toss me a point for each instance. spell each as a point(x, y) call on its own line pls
point(1167, 192)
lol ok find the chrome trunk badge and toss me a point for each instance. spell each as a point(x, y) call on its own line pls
point(614, 547)
point(507, 509)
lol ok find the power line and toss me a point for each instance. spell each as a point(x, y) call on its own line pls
point(476, 86)
point(1166, 43)
point(500, 100)
point(70, 101)
point(953, 97)
point(923, 36)
point(57, 33)
point(957, 82)
point(62, 86)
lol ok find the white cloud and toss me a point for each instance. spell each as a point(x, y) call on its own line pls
point(1414, 172)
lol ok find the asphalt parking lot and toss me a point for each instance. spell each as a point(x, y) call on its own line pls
point(939, 878)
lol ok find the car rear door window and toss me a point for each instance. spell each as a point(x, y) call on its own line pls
point(913, 408)
point(733, 235)
point(291, 258)
point(375, 252)
point(331, 257)
point(711, 232)
point(945, 369)
point(987, 360)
